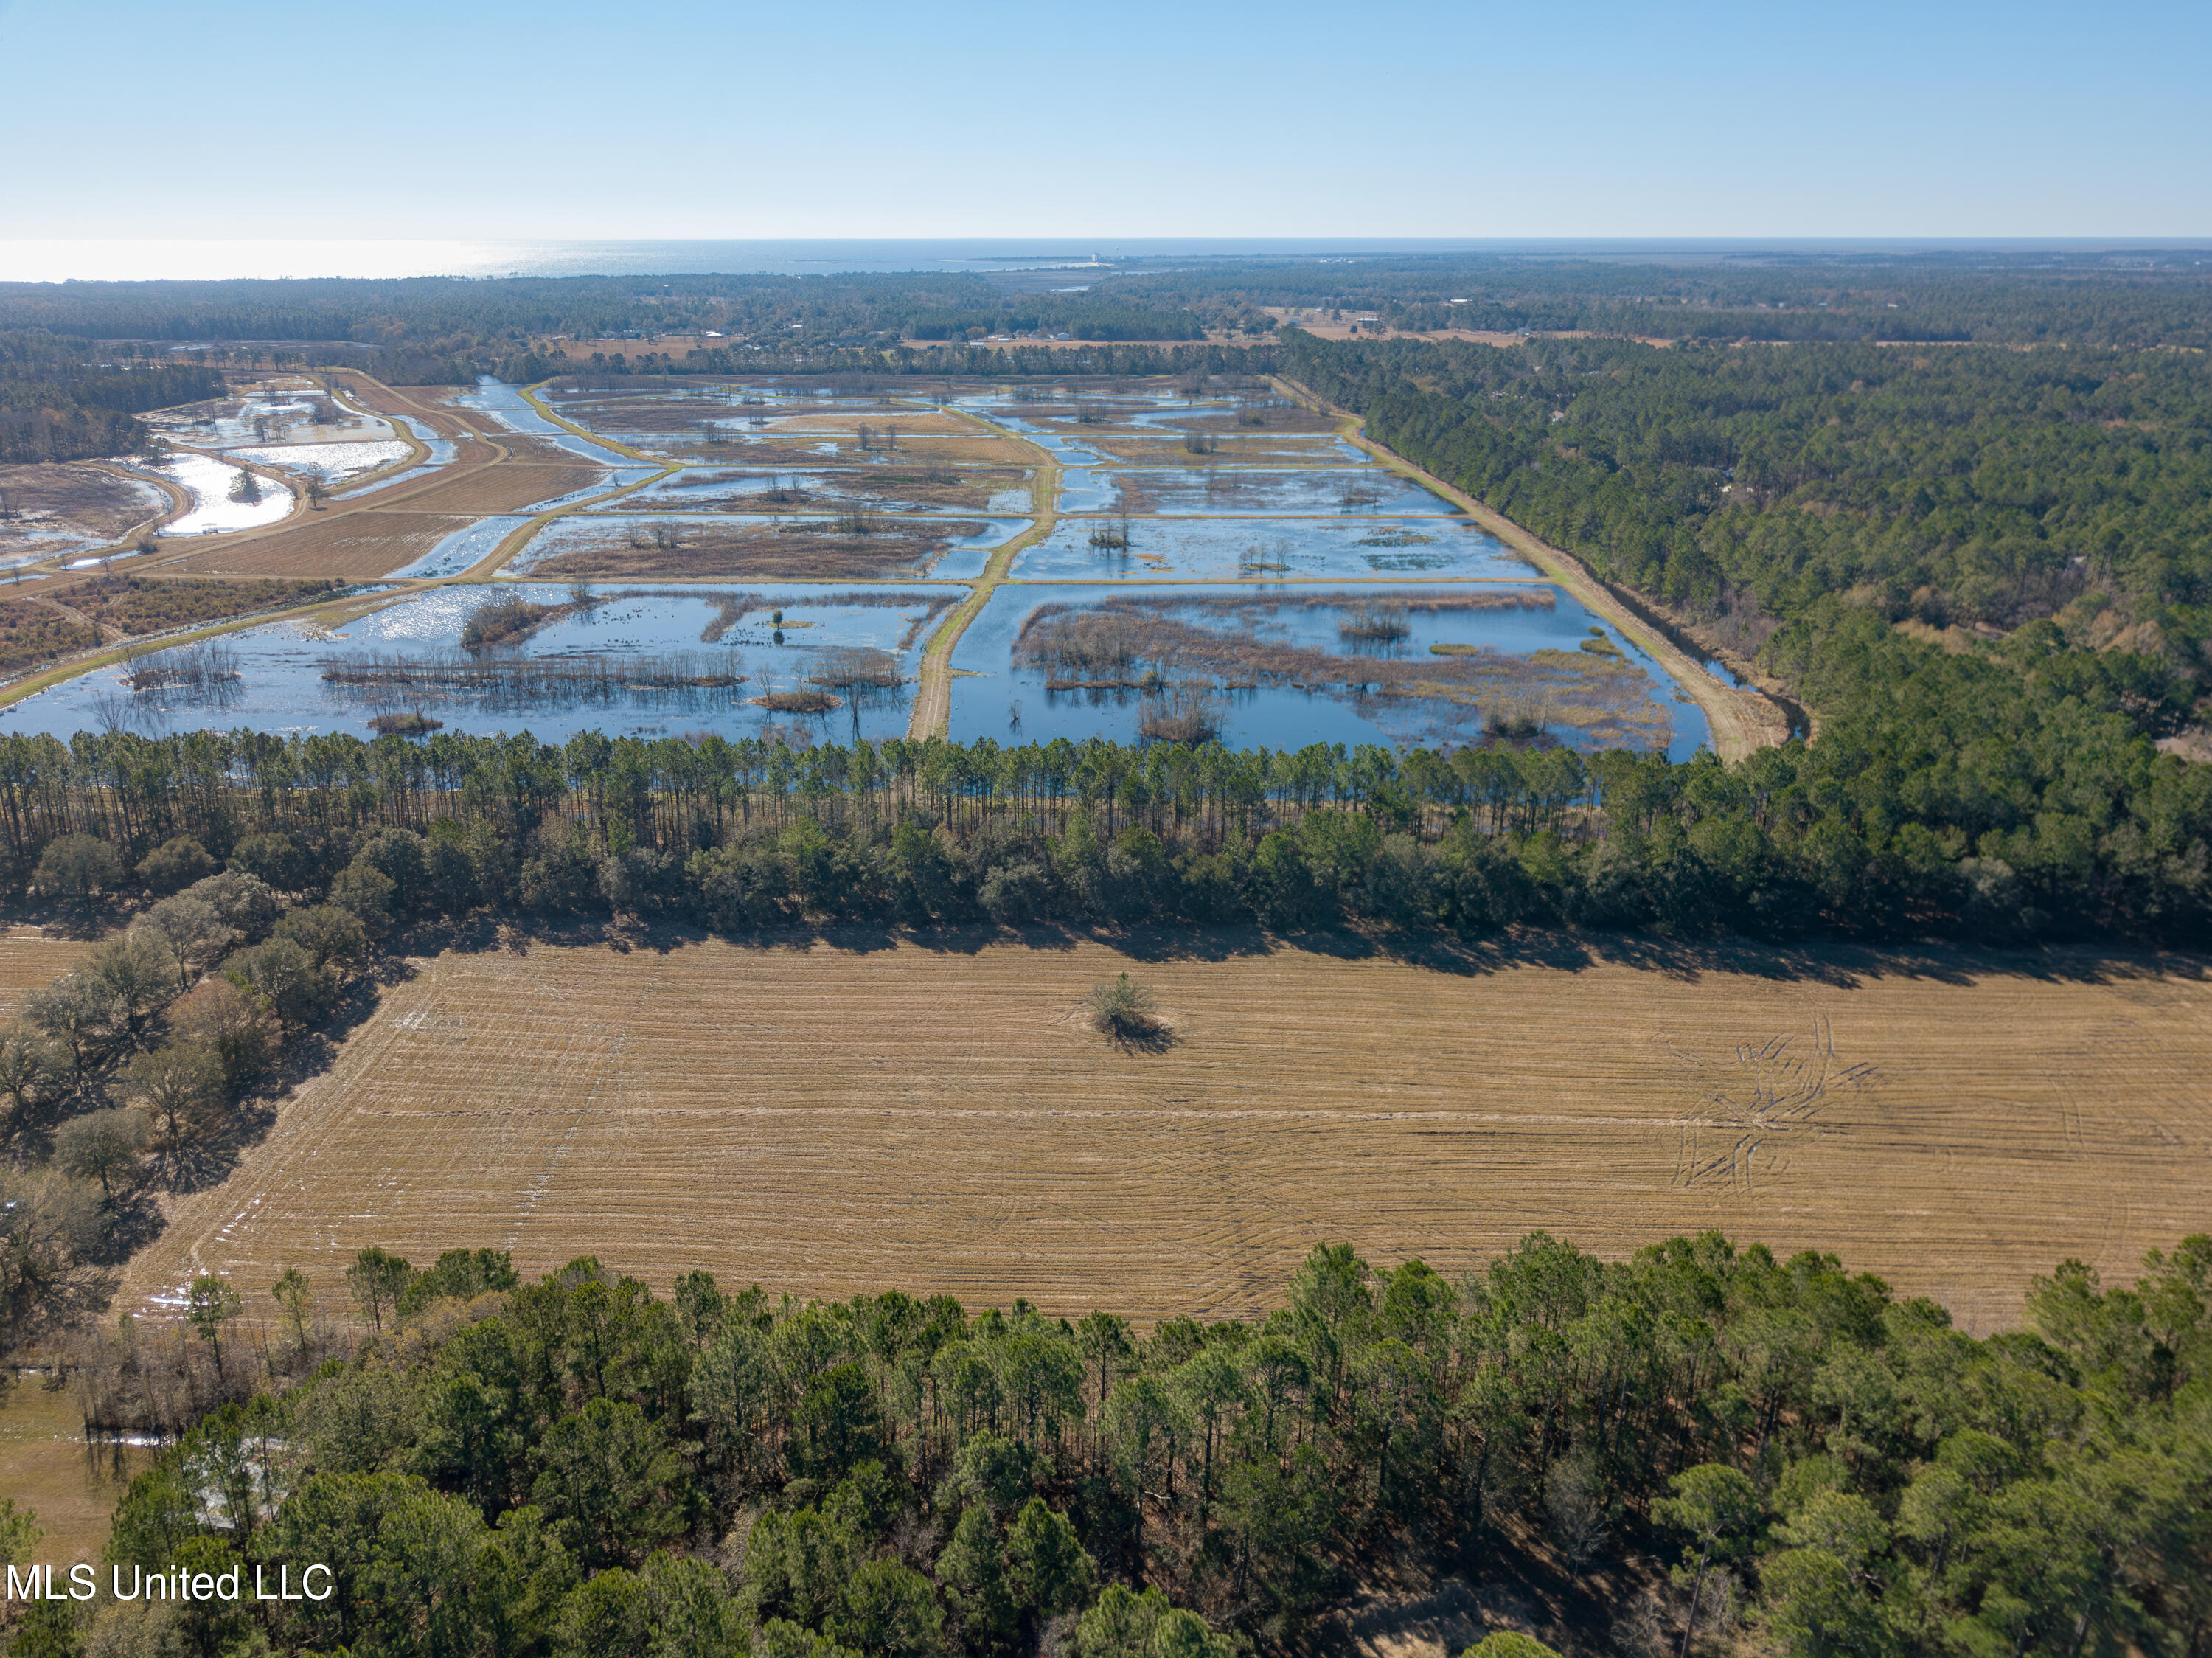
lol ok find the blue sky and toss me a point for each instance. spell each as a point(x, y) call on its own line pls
point(857, 118)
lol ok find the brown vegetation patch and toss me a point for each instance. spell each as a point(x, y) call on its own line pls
point(31, 633)
point(146, 604)
point(895, 548)
point(827, 1121)
point(96, 505)
point(351, 547)
point(412, 723)
point(525, 449)
point(789, 451)
point(938, 484)
point(798, 701)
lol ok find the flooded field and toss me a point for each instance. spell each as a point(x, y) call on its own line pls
point(813, 664)
point(1286, 666)
point(329, 461)
point(1222, 566)
point(1265, 549)
point(224, 497)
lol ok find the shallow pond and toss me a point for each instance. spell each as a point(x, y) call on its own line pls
point(1285, 666)
point(1269, 549)
point(213, 510)
point(638, 662)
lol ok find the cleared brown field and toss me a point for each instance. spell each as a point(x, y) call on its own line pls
point(504, 488)
point(30, 959)
point(826, 1120)
point(352, 547)
point(46, 1466)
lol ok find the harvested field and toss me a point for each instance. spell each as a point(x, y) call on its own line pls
point(941, 1116)
point(501, 489)
point(353, 547)
point(31, 957)
point(46, 1466)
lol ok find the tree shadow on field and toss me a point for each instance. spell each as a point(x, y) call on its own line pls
point(1835, 964)
point(1159, 1038)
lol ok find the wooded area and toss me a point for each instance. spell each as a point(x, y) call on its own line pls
point(62, 399)
point(580, 1466)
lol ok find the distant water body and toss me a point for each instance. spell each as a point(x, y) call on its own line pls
point(205, 261)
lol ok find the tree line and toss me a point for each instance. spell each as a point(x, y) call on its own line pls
point(1733, 1445)
point(2103, 297)
point(1906, 819)
point(61, 400)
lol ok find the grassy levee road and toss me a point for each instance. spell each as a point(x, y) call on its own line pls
point(933, 700)
point(1741, 721)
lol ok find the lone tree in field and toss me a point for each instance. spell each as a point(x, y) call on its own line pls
point(1123, 1009)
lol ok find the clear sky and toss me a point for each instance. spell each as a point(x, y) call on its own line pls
point(493, 118)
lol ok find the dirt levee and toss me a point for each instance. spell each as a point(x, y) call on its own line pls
point(827, 1120)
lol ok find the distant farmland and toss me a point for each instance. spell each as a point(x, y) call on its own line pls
point(826, 1121)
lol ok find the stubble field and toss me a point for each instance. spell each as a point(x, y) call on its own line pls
point(32, 958)
point(825, 1120)
point(355, 547)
